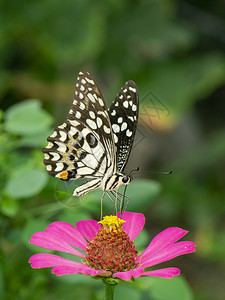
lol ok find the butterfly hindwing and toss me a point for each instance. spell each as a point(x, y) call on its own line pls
point(83, 146)
point(123, 115)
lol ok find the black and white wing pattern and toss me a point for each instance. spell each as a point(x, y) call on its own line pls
point(83, 146)
point(93, 142)
point(123, 115)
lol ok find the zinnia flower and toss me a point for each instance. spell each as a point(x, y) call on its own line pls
point(107, 248)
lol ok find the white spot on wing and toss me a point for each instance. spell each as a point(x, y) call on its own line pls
point(101, 101)
point(72, 131)
point(125, 104)
point(82, 106)
point(128, 133)
point(116, 128)
point(91, 123)
point(134, 107)
point(92, 114)
point(132, 89)
point(83, 81)
point(106, 129)
point(61, 147)
point(62, 136)
point(46, 156)
point(78, 115)
point(62, 126)
point(54, 134)
point(90, 96)
point(59, 167)
point(55, 155)
point(74, 123)
point(115, 138)
point(50, 145)
point(84, 171)
point(49, 167)
point(90, 80)
point(123, 126)
point(113, 113)
point(99, 122)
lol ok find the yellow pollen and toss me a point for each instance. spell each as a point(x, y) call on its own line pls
point(111, 222)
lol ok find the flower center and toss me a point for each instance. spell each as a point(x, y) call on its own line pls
point(111, 249)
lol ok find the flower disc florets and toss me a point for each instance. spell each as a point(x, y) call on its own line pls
point(111, 249)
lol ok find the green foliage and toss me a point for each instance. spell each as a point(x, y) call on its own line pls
point(166, 289)
point(27, 118)
point(26, 182)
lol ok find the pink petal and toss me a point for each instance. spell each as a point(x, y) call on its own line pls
point(165, 273)
point(163, 239)
point(128, 274)
point(88, 228)
point(47, 260)
point(62, 266)
point(85, 270)
point(68, 233)
point(168, 253)
point(134, 223)
point(49, 240)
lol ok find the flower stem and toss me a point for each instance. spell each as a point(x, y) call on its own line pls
point(109, 290)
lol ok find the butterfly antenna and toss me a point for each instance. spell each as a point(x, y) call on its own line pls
point(134, 171)
point(159, 172)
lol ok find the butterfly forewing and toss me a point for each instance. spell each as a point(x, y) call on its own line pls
point(83, 146)
point(123, 115)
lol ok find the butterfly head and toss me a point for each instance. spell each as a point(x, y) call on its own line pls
point(126, 179)
point(123, 180)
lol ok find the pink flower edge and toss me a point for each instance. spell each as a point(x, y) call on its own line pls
point(62, 236)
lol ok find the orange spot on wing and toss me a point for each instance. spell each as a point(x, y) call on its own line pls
point(63, 175)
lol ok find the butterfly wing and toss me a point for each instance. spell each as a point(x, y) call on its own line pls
point(83, 146)
point(124, 116)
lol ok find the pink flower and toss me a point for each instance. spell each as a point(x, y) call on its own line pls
point(108, 249)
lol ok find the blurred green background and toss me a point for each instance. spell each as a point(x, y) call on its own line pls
point(174, 51)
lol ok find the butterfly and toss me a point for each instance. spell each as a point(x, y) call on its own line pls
point(94, 142)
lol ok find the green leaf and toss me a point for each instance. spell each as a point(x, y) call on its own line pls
point(32, 226)
point(142, 240)
point(126, 291)
point(35, 140)
point(142, 192)
point(27, 118)
point(2, 285)
point(26, 182)
point(169, 289)
point(9, 206)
